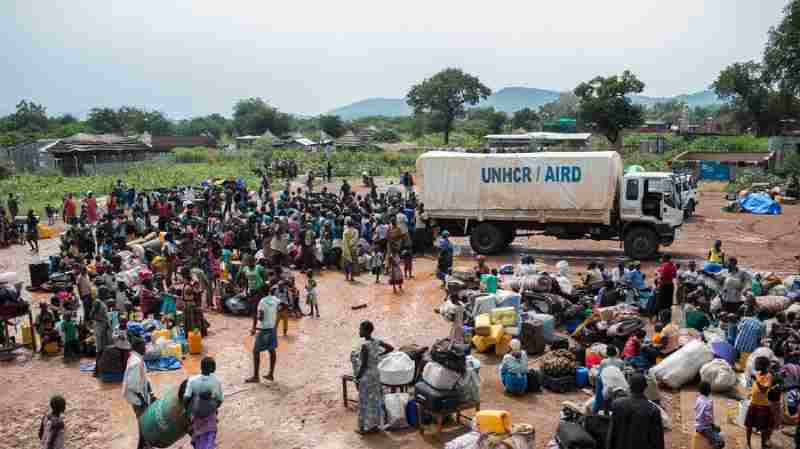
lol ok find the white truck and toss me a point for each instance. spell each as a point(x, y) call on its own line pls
point(687, 191)
point(493, 198)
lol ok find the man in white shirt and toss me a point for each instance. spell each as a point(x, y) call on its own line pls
point(264, 322)
point(135, 387)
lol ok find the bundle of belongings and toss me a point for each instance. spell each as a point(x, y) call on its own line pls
point(610, 325)
point(494, 429)
point(558, 371)
point(449, 379)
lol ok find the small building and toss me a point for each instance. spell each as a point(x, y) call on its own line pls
point(30, 156)
point(536, 141)
point(84, 154)
point(654, 126)
point(349, 140)
point(722, 166)
point(169, 143)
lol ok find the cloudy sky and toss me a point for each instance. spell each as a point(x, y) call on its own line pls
point(197, 57)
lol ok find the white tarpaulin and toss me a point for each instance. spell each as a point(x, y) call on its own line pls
point(585, 181)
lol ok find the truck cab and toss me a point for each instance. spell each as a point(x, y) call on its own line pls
point(651, 212)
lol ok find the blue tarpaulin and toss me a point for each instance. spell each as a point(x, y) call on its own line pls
point(163, 364)
point(714, 171)
point(759, 203)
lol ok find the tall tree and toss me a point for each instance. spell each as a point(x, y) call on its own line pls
point(447, 93)
point(782, 54)
point(606, 103)
point(744, 85)
point(104, 121)
point(332, 125)
point(30, 117)
point(525, 118)
point(253, 116)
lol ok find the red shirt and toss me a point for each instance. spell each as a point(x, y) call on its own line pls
point(69, 208)
point(631, 347)
point(668, 272)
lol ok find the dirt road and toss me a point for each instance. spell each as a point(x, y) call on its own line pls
point(303, 408)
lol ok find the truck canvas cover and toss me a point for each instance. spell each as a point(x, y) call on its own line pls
point(542, 186)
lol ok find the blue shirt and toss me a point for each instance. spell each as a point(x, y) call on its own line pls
point(636, 279)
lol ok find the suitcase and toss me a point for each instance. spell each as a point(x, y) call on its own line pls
point(533, 337)
point(571, 435)
point(40, 273)
point(580, 355)
point(534, 381)
point(440, 377)
point(439, 401)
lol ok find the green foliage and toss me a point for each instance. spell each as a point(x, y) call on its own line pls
point(39, 189)
point(30, 117)
point(254, 116)
point(605, 102)
point(526, 119)
point(104, 121)
point(565, 106)
point(332, 125)
point(744, 85)
point(215, 124)
point(387, 135)
point(447, 93)
point(494, 121)
point(746, 178)
point(782, 55)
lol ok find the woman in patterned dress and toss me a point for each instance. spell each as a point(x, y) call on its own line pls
point(370, 390)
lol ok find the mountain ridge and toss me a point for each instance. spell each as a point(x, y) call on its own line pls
point(507, 99)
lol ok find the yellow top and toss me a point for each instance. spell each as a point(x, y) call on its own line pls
point(716, 256)
point(757, 395)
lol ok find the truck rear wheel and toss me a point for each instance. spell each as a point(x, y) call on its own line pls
point(641, 243)
point(487, 238)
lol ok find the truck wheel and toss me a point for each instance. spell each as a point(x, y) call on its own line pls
point(487, 239)
point(641, 243)
point(511, 234)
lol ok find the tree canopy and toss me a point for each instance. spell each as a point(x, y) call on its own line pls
point(447, 93)
point(30, 117)
point(332, 125)
point(782, 54)
point(605, 103)
point(526, 119)
point(254, 116)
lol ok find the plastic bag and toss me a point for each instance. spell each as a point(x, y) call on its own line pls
point(396, 368)
point(395, 405)
point(684, 364)
point(719, 374)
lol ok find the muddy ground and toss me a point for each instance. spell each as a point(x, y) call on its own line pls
point(303, 408)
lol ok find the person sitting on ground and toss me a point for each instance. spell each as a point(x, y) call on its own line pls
point(593, 275)
point(695, 318)
point(562, 278)
point(514, 369)
point(716, 255)
point(610, 385)
point(633, 345)
point(704, 417)
point(635, 278)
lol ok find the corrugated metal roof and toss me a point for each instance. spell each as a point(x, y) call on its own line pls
point(731, 157)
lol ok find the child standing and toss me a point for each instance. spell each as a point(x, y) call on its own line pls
point(51, 429)
point(50, 213)
point(68, 331)
point(759, 414)
point(376, 263)
point(408, 263)
point(704, 417)
point(395, 273)
point(311, 294)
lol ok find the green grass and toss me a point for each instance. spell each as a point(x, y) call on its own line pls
point(191, 166)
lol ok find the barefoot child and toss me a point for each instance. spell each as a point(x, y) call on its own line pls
point(311, 294)
point(51, 429)
point(395, 273)
point(408, 263)
point(376, 263)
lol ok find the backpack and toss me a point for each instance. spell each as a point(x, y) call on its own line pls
point(449, 355)
point(203, 405)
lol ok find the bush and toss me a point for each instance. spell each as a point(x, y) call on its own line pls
point(190, 155)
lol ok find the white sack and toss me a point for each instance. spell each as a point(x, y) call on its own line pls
point(395, 405)
point(684, 364)
point(719, 375)
point(396, 368)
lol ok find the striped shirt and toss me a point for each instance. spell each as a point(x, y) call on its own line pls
point(751, 331)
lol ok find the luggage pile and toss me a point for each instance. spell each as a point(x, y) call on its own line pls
point(559, 371)
point(494, 429)
point(449, 378)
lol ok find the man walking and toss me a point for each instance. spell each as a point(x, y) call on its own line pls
point(264, 322)
point(635, 421)
point(135, 387)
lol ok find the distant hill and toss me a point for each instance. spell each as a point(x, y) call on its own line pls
point(509, 100)
point(387, 107)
